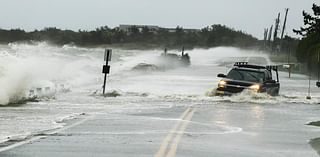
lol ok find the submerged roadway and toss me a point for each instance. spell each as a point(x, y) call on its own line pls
point(173, 125)
point(219, 129)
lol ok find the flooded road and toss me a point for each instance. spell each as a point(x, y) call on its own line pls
point(167, 112)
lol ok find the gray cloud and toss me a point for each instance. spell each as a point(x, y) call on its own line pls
point(251, 16)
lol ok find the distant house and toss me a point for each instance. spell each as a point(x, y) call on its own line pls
point(173, 30)
point(153, 28)
point(126, 28)
point(191, 30)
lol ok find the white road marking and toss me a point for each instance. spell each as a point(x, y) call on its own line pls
point(2, 149)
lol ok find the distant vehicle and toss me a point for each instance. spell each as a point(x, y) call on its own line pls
point(166, 61)
point(145, 67)
point(176, 60)
point(251, 77)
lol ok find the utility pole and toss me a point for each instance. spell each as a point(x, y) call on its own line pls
point(265, 37)
point(284, 23)
point(275, 34)
point(283, 28)
point(269, 37)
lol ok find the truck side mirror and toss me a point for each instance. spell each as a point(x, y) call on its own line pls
point(318, 84)
point(221, 75)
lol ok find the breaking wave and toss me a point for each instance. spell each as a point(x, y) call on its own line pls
point(40, 70)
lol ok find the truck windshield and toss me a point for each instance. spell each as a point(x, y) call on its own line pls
point(246, 75)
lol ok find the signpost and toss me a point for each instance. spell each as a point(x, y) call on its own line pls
point(106, 67)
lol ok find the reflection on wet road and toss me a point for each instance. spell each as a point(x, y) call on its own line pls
point(157, 112)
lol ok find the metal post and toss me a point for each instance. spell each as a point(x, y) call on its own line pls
point(309, 88)
point(105, 80)
point(277, 73)
point(182, 51)
point(309, 96)
point(106, 68)
point(318, 82)
point(289, 69)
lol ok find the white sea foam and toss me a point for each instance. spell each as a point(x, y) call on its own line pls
point(78, 71)
point(40, 68)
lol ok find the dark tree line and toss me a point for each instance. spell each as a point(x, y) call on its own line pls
point(309, 46)
point(215, 35)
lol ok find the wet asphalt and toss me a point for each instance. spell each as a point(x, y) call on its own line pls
point(218, 129)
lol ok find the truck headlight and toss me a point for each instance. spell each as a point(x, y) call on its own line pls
point(222, 83)
point(255, 87)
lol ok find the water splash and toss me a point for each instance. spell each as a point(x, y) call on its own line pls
point(40, 69)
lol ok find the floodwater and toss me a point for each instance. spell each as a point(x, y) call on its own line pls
point(67, 82)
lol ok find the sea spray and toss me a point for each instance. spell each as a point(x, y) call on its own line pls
point(13, 82)
point(37, 69)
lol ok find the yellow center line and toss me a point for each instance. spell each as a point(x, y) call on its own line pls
point(175, 142)
point(165, 142)
point(179, 127)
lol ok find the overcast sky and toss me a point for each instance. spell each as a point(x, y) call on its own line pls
point(251, 16)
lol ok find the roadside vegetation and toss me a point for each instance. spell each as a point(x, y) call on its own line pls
point(212, 36)
point(308, 49)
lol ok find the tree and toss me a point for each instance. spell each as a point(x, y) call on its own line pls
point(312, 23)
point(215, 35)
point(309, 45)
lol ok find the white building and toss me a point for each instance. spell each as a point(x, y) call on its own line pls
point(153, 28)
point(126, 28)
